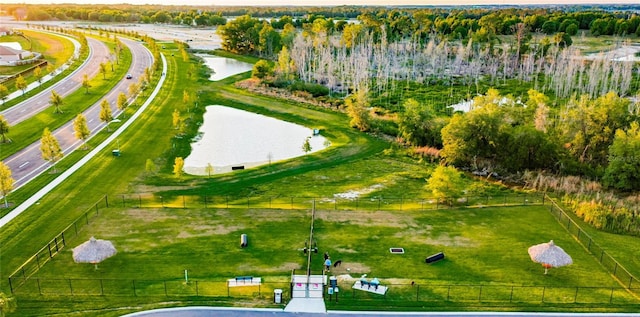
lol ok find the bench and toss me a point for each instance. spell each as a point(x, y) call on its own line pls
point(244, 281)
point(370, 287)
point(435, 257)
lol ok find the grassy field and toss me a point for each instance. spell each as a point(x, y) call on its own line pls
point(484, 246)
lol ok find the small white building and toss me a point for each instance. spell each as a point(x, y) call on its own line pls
point(8, 54)
point(5, 31)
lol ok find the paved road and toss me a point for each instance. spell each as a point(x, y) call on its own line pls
point(28, 163)
point(98, 53)
point(249, 312)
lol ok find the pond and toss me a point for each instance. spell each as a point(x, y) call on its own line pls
point(222, 67)
point(235, 139)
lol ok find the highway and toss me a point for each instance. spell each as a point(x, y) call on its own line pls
point(28, 163)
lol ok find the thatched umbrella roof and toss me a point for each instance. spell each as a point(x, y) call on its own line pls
point(549, 255)
point(93, 251)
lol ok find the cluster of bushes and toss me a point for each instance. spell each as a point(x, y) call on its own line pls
point(615, 219)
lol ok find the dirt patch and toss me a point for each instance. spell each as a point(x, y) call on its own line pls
point(204, 231)
point(149, 215)
point(285, 267)
point(368, 218)
point(353, 194)
point(343, 250)
point(352, 268)
point(449, 241)
point(414, 234)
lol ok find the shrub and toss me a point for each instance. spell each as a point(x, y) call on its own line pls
point(315, 90)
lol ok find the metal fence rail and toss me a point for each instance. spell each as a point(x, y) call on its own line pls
point(501, 294)
point(322, 203)
point(47, 252)
point(625, 278)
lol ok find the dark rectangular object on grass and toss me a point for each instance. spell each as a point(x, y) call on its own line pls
point(436, 257)
point(241, 167)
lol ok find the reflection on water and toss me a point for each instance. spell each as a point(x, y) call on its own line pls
point(222, 67)
point(231, 138)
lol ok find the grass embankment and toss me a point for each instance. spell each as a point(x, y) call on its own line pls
point(56, 50)
point(30, 130)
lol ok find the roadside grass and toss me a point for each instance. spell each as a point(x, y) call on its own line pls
point(30, 130)
point(57, 50)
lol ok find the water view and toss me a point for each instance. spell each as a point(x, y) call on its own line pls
point(222, 67)
point(235, 139)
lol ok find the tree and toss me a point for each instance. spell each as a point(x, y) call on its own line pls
point(4, 92)
point(475, 135)
point(7, 304)
point(185, 97)
point(589, 126)
point(209, 169)
point(50, 148)
point(37, 73)
point(6, 182)
point(56, 100)
point(81, 129)
point(285, 66)
point(50, 69)
point(4, 129)
point(103, 70)
point(240, 35)
point(623, 171)
point(445, 183)
point(21, 84)
point(122, 102)
point(85, 83)
point(529, 149)
point(178, 164)
point(105, 113)
point(149, 166)
point(176, 119)
point(261, 69)
point(133, 89)
point(416, 124)
point(357, 109)
point(306, 146)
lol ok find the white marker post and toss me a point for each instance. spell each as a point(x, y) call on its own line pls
point(186, 277)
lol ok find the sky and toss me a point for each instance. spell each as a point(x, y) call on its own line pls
point(324, 2)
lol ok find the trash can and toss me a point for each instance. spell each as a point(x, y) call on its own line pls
point(277, 296)
point(333, 281)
